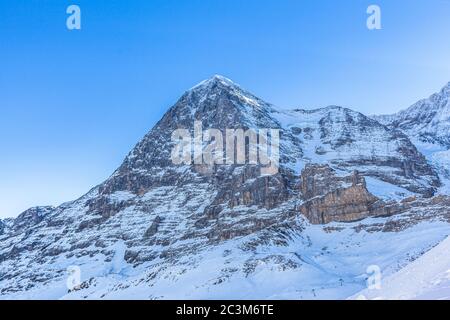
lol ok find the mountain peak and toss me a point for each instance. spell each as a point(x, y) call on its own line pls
point(218, 77)
point(219, 87)
point(215, 80)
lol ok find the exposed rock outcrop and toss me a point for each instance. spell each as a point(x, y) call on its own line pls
point(329, 197)
point(318, 180)
point(31, 217)
point(343, 205)
point(153, 229)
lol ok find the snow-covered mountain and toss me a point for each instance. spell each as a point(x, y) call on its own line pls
point(348, 140)
point(427, 124)
point(349, 193)
point(427, 121)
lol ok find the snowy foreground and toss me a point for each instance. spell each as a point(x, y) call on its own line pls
point(414, 263)
point(426, 278)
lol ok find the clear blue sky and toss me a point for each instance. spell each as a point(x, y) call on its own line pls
point(73, 103)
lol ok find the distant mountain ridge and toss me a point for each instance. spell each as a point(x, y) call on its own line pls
point(427, 121)
point(427, 124)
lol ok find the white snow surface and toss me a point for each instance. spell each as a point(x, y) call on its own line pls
point(427, 278)
point(316, 264)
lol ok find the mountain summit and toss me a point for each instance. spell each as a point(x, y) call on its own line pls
point(216, 80)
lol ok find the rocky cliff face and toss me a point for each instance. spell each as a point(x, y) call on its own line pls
point(30, 218)
point(343, 205)
point(153, 222)
point(318, 180)
point(331, 198)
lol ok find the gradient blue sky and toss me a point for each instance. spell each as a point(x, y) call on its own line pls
point(73, 103)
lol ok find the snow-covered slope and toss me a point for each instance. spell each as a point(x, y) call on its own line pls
point(301, 262)
point(159, 230)
point(428, 277)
